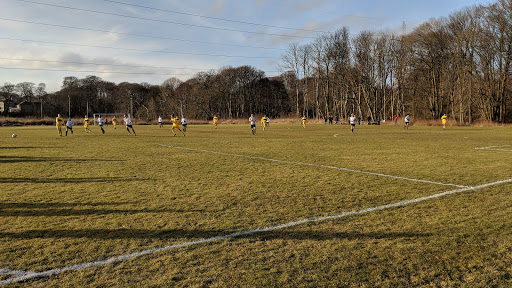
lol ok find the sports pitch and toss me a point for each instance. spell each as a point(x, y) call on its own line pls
point(288, 207)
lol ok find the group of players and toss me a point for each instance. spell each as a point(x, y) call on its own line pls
point(176, 122)
point(265, 122)
point(353, 120)
point(59, 121)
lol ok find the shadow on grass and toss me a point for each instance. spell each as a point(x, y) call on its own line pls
point(14, 205)
point(27, 147)
point(327, 235)
point(16, 159)
point(197, 234)
point(49, 212)
point(71, 180)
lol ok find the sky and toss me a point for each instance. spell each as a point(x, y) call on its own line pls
point(43, 41)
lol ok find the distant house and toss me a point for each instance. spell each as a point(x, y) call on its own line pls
point(26, 108)
point(2, 106)
point(5, 105)
point(7, 101)
point(14, 109)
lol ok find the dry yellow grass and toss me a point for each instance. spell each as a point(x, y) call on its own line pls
point(88, 197)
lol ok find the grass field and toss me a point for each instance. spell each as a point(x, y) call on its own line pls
point(84, 198)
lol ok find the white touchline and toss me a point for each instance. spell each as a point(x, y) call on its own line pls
point(14, 272)
point(31, 275)
point(317, 165)
point(495, 148)
point(488, 147)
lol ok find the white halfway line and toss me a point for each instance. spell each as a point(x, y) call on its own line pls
point(32, 275)
point(317, 165)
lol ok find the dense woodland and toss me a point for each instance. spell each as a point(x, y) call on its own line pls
point(459, 65)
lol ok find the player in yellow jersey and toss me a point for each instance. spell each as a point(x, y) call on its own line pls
point(304, 120)
point(443, 120)
point(86, 124)
point(264, 122)
point(59, 122)
point(114, 122)
point(176, 125)
point(215, 121)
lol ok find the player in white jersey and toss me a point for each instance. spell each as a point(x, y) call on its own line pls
point(160, 121)
point(407, 120)
point(69, 126)
point(101, 121)
point(184, 123)
point(252, 119)
point(352, 121)
point(128, 122)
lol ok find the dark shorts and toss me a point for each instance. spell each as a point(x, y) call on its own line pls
point(253, 125)
point(406, 123)
point(184, 125)
point(70, 128)
point(129, 126)
point(353, 124)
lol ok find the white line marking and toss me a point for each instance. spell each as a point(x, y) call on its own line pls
point(14, 272)
point(488, 147)
point(336, 135)
point(495, 148)
point(317, 165)
point(32, 275)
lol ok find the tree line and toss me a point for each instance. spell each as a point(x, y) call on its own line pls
point(458, 65)
point(230, 92)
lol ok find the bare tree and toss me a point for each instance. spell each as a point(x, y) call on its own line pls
point(304, 55)
point(432, 46)
point(168, 100)
point(364, 48)
point(499, 28)
point(8, 93)
point(40, 92)
point(319, 51)
point(25, 89)
point(338, 53)
point(290, 61)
